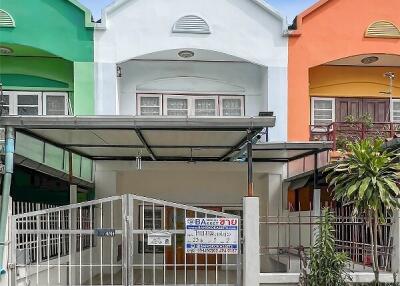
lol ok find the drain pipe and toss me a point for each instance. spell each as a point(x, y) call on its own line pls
point(9, 167)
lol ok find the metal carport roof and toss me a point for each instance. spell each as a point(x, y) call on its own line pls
point(154, 138)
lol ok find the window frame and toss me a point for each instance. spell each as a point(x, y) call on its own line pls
point(193, 107)
point(139, 105)
point(221, 107)
point(173, 96)
point(16, 105)
point(394, 100)
point(142, 212)
point(331, 99)
point(44, 100)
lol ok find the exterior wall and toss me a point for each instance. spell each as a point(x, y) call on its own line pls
point(338, 81)
point(249, 31)
point(200, 77)
point(51, 37)
point(327, 32)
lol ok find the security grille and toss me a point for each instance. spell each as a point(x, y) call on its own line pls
point(112, 243)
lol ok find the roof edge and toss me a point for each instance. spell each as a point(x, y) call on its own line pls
point(88, 13)
point(305, 13)
point(117, 3)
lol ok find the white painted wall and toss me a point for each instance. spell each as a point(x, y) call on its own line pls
point(241, 30)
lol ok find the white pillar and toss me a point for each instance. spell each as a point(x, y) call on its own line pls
point(106, 89)
point(5, 279)
point(277, 102)
point(251, 234)
point(73, 198)
point(395, 230)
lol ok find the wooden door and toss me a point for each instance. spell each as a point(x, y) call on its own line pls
point(379, 109)
point(346, 107)
point(179, 248)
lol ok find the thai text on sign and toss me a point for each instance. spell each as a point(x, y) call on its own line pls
point(212, 235)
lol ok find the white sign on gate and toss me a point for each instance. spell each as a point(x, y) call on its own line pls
point(212, 235)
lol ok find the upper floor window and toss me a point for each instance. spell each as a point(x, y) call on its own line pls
point(190, 105)
point(322, 111)
point(396, 110)
point(30, 103)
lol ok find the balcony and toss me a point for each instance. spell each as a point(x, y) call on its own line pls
point(342, 132)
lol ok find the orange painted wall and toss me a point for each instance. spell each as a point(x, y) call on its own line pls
point(334, 30)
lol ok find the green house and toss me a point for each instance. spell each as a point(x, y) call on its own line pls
point(46, 57)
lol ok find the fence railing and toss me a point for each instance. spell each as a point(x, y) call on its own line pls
point(291, 235)
point(34, 248)
point(341, 132)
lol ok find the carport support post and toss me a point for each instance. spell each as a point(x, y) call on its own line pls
point(73, 195)
point(395, 232)
point(250, 184)
point(251, 234)
point(5, 198)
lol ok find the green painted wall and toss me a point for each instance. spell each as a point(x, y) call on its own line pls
point(56, 26)
point(16, 72)
point(52, 43)
point(83, 88)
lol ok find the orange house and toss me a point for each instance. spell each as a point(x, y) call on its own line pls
point(344, 65)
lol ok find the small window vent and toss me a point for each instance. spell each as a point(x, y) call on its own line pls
point(382, 29)
point(6, 20)
point(191, 24)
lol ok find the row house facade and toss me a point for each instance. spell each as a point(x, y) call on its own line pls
point(167, 110)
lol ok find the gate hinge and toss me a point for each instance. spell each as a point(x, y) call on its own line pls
point(11, 265)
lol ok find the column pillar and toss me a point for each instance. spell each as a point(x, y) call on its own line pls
point(277, 102)
point(251, 234)
point(106, 89)
point(395, 231)
point(6, 185)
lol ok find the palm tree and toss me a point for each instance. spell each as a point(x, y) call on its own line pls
point(367, 178)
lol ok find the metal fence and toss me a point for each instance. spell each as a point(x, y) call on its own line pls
point(111, 242)
point(291, 234)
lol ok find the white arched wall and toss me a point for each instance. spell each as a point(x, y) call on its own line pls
point(246, 29)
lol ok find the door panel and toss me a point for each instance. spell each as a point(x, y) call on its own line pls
point(346, 107)
point(378, 109)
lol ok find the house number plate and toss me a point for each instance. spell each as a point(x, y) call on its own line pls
point(104, 232)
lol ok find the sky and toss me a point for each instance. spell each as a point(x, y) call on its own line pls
point(288, 8)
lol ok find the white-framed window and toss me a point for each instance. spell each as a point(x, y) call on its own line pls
point(150, 218)
point(55, 103)
point(176, 105)
point(189, 105)
point(205, 106)
point(28, 103)
point(231, 106)
point(322, 111)
point(149, 104)
point(396, 111)
point(6, 104)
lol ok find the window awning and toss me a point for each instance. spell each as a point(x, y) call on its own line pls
point(153, 138)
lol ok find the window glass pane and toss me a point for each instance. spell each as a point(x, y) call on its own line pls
point(231, 107)
point(396, 111)
point(6, 110)
point(28, 111)
point(322, 104)
point(55, 105)
point(205, 107)
point(27, 99)
point(6, 99)
point(149, 101)
point(150, 111)
point(323, 112)
point(177, 106)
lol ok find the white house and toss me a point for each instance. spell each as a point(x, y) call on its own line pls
point(192, 58)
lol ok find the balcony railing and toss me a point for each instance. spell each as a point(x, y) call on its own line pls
point(342, 132)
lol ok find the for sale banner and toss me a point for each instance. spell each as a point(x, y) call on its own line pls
point(212, 235)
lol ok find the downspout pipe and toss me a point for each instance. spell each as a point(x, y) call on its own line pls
point(5, 198)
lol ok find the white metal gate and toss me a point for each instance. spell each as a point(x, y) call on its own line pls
point(106, 242)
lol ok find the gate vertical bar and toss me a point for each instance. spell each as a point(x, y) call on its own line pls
point(130, 240)
point(125, 275)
